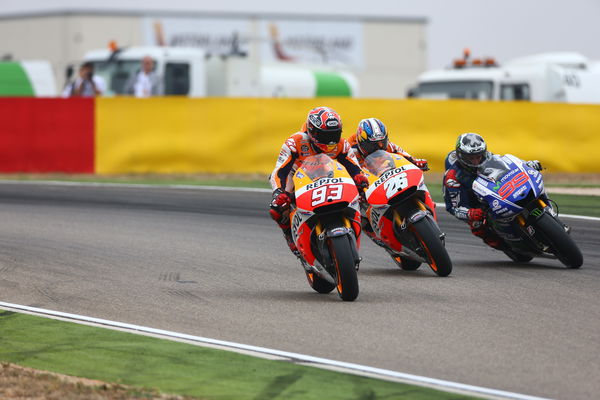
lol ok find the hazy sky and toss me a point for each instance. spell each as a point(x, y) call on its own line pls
point(501, 29)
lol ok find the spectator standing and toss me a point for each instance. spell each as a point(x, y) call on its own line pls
point(146, 82)
point(86, 84)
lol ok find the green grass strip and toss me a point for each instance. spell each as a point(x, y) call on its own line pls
point(567, 204)
point(180, 368)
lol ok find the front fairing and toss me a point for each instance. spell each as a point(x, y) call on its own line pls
point(506, 185)
point(320, 181)
point(390, 175)
point(322, 185)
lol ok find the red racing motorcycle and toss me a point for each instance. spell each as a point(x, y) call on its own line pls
point(326, 225)
point(402, 215)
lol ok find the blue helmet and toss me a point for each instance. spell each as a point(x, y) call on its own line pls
point(371, 136)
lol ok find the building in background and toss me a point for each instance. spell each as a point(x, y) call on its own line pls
point(384, 54)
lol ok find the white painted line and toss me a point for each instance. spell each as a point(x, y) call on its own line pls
point(194, 187)
point(294, 357)
point(583, 217)
point(134, 185)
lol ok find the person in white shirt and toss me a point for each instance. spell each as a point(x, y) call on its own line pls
point(146, 82)
point(86, 84)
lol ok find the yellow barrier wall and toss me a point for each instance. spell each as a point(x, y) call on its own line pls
point(229, 135)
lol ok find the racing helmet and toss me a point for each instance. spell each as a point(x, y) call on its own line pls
point(371, 136)
point(324, 128)
point(471, 151)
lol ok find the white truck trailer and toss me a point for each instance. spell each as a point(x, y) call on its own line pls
point(190, 72)
point(550, 77)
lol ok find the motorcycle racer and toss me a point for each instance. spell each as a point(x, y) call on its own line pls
point(461, 170)
point(321, 133)
point(370, 136)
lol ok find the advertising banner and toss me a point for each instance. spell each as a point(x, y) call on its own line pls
point(304, 41)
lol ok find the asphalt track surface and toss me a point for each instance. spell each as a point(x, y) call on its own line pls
point(211, 263)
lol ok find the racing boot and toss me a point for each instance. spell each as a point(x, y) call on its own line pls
point(287, 234)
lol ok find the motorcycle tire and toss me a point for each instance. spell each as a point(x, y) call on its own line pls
point(561, 243)
point(347, 280)
point(319, 284)
point(517, 257)
point(408, 264)
point(439, 260)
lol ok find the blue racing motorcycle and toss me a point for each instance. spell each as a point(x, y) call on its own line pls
point(517, 208)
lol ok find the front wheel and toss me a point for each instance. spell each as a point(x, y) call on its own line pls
point(319, 284)
point(561, 244)
point(428, 235)
point(345, 270)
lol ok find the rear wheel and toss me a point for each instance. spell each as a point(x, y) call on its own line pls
point(345, 270)
point(319, 284)
point(428, 236)
point(561, 244)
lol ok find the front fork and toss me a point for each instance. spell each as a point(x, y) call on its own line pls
point(323, 234)
point(410, 242)
point(526, 222)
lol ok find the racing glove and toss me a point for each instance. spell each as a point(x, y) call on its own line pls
point(361, 181)
point(535, 164)
point(476, 217)
point(421, 163)
point(281, 200)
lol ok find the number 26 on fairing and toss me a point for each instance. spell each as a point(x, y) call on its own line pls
point(329, 192)
point(395, 184)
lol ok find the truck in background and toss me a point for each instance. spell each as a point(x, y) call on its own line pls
point(192, 72)
point(549, 77)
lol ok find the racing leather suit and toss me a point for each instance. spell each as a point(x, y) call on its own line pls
point(460, 198)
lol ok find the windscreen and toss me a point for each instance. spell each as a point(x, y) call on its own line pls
point(379, 162)
point(493, 169)
point(318, 166)
point(476, 90)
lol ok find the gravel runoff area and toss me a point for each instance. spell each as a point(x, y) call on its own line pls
point(22, 383)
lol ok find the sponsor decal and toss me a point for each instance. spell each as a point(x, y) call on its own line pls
point(291, 144)
point(508, 175)
point(530, 230)
point(332, 123)
point(296, 223)
point(304, 147)
point(323, 181)
point(496, 205)
point(338, 231)
point(521, 191)
point(300, 175)
point(315, 120)
point(536, 212)
point(388, 175)
point(452, 157)
point(281, 159)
